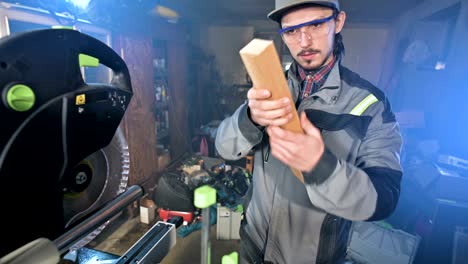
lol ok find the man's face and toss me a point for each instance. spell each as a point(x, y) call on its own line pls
point(312, 45)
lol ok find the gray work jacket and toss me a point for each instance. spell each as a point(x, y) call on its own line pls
point(357, 178)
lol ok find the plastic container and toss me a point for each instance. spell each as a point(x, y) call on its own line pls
point(372, 242)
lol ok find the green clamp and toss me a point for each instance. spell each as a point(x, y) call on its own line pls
point(20, 97)
point(232, 258)
point(205, 196)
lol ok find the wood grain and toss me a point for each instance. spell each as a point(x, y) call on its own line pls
point(262, 62)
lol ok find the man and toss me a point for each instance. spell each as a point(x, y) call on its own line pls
point(348, 154)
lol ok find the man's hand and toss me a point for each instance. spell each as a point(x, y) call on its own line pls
point(300, 151)
point(266, 112)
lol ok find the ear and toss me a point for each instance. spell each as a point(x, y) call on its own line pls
point(340, 21)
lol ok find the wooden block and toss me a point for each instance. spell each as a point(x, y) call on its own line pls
point(264, 67)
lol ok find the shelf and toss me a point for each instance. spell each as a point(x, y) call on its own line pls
point(161, 134)
point(161, 105)
point(160, 75)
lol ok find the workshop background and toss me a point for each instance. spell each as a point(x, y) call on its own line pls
point(187, 75)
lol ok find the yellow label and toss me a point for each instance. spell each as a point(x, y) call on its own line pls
point(80, 99)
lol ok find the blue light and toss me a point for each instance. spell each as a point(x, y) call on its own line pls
point(80, 3)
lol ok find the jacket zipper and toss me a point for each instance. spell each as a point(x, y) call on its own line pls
point(327, 240)
point(267, 154)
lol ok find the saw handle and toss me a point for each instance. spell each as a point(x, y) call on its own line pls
point(108, 57)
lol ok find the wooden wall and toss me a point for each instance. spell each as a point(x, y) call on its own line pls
point(139, 123)
point(136, 48)
point(178, 91)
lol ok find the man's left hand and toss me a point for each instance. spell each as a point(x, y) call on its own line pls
point(300, 151)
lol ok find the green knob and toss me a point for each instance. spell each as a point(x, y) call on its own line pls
point(205, 196)
point(230, 259)
point(20, 97)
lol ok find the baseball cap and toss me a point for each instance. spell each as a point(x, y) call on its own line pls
point(282, 6)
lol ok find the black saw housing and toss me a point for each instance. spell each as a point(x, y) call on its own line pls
point(70, 119)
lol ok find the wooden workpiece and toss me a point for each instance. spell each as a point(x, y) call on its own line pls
point(264, 67)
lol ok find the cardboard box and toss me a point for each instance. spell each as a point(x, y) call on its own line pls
point(147, 211)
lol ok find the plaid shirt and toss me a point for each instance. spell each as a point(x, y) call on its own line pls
point(313, 80)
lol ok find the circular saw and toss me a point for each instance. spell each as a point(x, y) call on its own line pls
point(60, 155)
point(96, 180)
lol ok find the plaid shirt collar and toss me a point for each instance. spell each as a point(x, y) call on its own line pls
point(313, 80)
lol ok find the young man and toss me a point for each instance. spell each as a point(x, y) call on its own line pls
point(348, 154)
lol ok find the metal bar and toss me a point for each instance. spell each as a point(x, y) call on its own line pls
point(205, 237)
point(74, 235)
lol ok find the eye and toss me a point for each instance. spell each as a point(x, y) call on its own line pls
point(291, 31)
point(317, 25)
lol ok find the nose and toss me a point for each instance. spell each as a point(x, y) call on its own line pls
point(305, 39)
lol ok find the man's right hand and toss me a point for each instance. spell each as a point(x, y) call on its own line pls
point(265, 111)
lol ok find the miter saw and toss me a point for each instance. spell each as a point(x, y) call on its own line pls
point(64, 163)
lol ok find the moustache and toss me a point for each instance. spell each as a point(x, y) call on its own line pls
point(308, 51)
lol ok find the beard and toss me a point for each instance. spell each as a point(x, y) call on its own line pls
point(314, 64)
